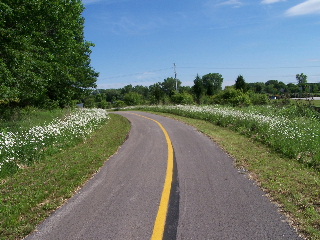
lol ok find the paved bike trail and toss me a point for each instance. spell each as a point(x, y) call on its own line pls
point(213, 200)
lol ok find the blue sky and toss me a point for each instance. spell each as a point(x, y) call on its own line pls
point(138, 41)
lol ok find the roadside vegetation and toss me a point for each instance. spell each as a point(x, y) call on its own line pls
point(22, 147)
point(291, 131)
point(35, 190)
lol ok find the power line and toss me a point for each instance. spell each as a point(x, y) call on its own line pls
point(135, 74)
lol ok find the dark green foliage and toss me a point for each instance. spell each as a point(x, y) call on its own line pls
point(170, 85)
point(241, 83)
point(182, 98)
point(133, 98)
point(258, 98)
point(212, 82)
point(301, 78)
point(258, 87)
point(44, 59)
point(233, 97)
point(205, 90)
point(236, 97)
point(198, 88)
point(156, 93)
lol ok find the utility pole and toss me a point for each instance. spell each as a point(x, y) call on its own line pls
point(175, 76)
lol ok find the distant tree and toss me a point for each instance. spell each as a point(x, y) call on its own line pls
point(301, 78)
point(113, 95)
point(212, 82)
point(198, 88)
point(258, 87)
point(143, 90)
point(302, 81)
point(126, 89)
point(185, 89)
point(240, 83)
point(169, 85)
point(275, 87)
point(292, 88)
point(133, 98)
point(156, 93)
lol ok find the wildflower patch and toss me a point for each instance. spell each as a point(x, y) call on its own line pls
point(19, 149)
point(295, 137)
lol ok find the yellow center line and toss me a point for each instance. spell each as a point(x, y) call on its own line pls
point(159, 225)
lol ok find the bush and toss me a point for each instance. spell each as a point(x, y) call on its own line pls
point(258, 98)
point(182, 98)
point(233, 97)
point(133, 98)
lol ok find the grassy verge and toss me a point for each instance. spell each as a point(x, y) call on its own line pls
point(293, 186)
point(312, 102)
point(24, 119)
point(29, 196)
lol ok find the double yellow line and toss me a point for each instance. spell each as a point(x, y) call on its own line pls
point(159, 225)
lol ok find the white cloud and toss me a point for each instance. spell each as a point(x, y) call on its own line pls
point(213, 3)
point(234, 3)
point(271, 1)
point(307, 7)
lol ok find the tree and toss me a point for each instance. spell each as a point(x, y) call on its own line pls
point(292, 88)
point(198, 88)
point(275, 87)
point(169, 85)
point(126, 89)
point(240, 83)
point(133, 98)
point(156, 93)
point(212, 82)
point(258, 87)
point(144, 91)
point(302, 81)
point(43, 54)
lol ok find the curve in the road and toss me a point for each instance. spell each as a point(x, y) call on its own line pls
point(213, 200)
point(159, 226)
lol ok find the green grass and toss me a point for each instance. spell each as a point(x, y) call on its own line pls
point(292, 185)
point(315, 103)
point(29, 196)
point(23, 119)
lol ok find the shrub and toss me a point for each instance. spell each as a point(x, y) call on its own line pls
point(182, 98)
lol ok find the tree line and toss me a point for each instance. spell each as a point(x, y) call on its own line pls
point(44, 58)
point(205, 90)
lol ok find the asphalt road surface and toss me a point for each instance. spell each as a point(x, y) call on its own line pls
point(210, 198)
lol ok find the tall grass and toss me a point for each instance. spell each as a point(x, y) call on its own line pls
point(17, 119)
point(285, 129)
point(20, 148)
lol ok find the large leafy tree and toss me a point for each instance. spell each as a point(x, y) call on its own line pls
point(44, 57)
point(212, 83)
point(170, 85)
